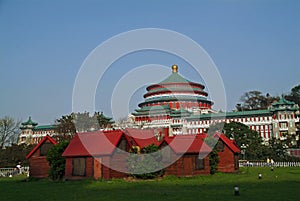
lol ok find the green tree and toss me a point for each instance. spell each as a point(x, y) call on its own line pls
point(68, 125)
point(57, 161)
point(254, 100)
point(294, 95)
point(103, 121)
point(213, 161)
point(243, 135)
point(142, 165)
point(12, 155)
point(9, 131)
point(65, 126)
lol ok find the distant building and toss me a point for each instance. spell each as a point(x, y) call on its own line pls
point(31, 133)
point(182, 106)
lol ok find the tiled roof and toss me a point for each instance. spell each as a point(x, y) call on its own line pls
point(174, 98)
point(44, 127)
point(29, 122)
point(231, 114)
point(173, 89)
point(45, 139)
point(174, 78)
point(283, 101)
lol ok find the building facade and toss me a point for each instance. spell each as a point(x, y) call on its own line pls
point(182, 106)
point(31, 133)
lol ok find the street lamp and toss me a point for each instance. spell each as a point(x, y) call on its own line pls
point(243, 150)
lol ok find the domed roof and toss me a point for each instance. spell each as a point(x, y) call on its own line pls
point(175, 88)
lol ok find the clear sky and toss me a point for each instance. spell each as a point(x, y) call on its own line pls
point(254, 44)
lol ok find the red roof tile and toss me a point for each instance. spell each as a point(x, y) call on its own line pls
point(46, 138)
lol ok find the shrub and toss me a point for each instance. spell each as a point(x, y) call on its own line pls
point(213, 161)
point(145, 162)
point(56, 161)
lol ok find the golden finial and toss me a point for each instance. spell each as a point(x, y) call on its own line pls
point(174, 68)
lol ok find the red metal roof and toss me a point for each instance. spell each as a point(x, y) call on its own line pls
point(46, 138)
point(141, 137)
point(230, 143)
point(93, 143)
point(187, 144)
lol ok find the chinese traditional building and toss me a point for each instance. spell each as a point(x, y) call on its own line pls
point(182, 106)
point(31, 133)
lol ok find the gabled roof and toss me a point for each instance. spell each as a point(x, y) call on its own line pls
point(230, 143)
point(93, 143)
point(181, 144)
point(141, 137)
point(45, 139)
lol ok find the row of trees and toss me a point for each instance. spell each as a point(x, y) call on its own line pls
point(68, 125)
point(255, 100)
point(252, 142)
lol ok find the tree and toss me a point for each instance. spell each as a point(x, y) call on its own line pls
point(56, 161)
point(242, 134)
point(12, 155)
point(294, 95)
point(103, 121)
point(254, 100)
point(66, 127)
point(9, 131)
point(213, 161)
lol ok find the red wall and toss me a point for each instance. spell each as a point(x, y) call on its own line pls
point(185, 166)
point(39, 166)
point(89, 169)
point(226, 160)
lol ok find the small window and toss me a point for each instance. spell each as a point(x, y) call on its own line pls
point(199, 163)
point(78, 167)
point(45, 148)
point(123, 144)
point(220, 146)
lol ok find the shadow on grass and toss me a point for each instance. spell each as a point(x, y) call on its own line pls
point(280, 184)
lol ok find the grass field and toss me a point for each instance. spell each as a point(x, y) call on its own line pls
point(282, 184)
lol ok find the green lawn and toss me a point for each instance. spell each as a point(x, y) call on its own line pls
point(283, 184)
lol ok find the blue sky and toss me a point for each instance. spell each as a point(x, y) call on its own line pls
point(254, 44)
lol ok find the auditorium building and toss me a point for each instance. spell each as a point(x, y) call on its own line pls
point(183, 107)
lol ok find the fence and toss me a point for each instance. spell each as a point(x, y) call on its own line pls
point(8, 172)
point(264, 164)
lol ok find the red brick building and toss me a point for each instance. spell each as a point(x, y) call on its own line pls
point(38, 164)
point(228, 153)
point(88, 152)
point(190, 153)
